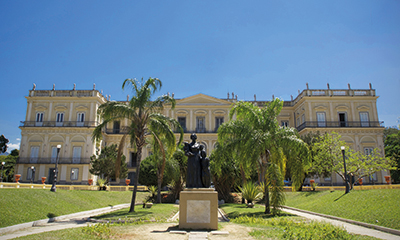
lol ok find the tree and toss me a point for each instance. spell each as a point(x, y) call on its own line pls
point(329, 158)
point(392, 150)
point(104, 164)
point(144, 117)
point(3, 144)
point(10, 162)
point(258, 139)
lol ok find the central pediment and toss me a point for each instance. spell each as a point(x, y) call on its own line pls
point(202, 99)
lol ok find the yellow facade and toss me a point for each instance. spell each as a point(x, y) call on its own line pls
point(350, 112)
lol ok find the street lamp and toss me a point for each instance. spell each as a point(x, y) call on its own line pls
point(345, 172)
point(2, 166)
point(53, 187)
point(33, 174)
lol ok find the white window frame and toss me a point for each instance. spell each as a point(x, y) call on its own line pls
point(34, 154)
point(76, 154)
point(59, 118)
point(53, 158)
point(74, 174)
point(39, 119)
point(201, 123)
point(218, 122)
point(285, 123)
point(321, 119)
point(80, 118)
point(364, 119)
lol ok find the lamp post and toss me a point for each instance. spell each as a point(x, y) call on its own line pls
point(33, 174)
point(2, 166)
point(53, 187)
point(345, 172)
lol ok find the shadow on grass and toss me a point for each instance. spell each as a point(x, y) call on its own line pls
point(243, 211)
point(339, 197)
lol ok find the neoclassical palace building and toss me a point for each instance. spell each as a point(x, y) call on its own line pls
point(68, 117)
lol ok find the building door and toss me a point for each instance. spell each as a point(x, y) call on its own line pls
point(116, 127)
point(342, 119)
point(131, 176)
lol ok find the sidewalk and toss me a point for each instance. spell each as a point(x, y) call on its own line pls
point(351, 228)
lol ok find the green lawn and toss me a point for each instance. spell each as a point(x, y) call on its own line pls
point(25, 205)
point(379, 207)
point(284, 226)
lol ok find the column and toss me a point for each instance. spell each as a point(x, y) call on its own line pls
point(191, 120)
point(50, 111)
point(209, 120)
point(70, 111)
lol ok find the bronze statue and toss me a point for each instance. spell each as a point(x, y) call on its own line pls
point(198, 172)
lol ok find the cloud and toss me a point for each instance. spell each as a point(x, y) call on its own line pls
point(12, 146)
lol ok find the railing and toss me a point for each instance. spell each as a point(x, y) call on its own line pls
point(122, 130)
point(64, 93)
point(58, 124)
point(337, 124)
point(70, 187)
point(30, 160)
point(342, 188)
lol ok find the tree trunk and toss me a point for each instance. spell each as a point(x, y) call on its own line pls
point(267, 207)
point(244, 181)
point(159, 181)
point(138, 160)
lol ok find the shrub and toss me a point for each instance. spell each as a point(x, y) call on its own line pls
point(250, 192)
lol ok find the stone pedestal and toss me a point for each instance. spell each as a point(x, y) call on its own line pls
point(198, 208)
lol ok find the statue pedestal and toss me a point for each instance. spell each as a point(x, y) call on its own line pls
point(198, 208)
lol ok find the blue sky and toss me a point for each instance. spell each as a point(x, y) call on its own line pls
point(209, 47)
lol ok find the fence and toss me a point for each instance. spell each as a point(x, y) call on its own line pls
point(342, 188)
point(70, 187)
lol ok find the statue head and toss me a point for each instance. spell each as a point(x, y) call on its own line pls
point(193, 136)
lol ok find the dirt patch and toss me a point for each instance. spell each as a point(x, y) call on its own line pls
point(162, 231)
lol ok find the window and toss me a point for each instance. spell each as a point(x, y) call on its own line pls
point(218, 122)
point(368, 150)
point(116, 127)
point(30, 173)
point(60, 119)
point(285, 123)
point(39, 119)
point(364, 119)
point(342, 120)
point(298, 122)
point(74, 173)
point(80, 118)
point(53, 154)
point(321, 119)
point(34, 154)
point(303, 118)
point(76, 158)
point(200, 124)
point(182, 122)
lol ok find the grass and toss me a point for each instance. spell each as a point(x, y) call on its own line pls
point(379, 207)
point(284, 226)
point(159, 213)
point(25, 205)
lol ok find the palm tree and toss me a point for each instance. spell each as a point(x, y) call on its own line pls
point(145, 119)
point(259, 139)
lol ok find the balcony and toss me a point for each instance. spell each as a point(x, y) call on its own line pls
point(338, 124)
point(58, 124)
point(29, 160)
point(122, 130)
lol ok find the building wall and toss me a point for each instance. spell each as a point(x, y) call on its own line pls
point(200, 114)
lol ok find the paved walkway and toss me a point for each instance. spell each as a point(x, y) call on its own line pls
point(80, 220)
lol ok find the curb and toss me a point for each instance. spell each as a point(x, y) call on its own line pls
point(376, 227)
point(63, 217)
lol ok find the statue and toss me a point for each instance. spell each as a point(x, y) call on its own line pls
point(205, 168)
point(198, 173)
